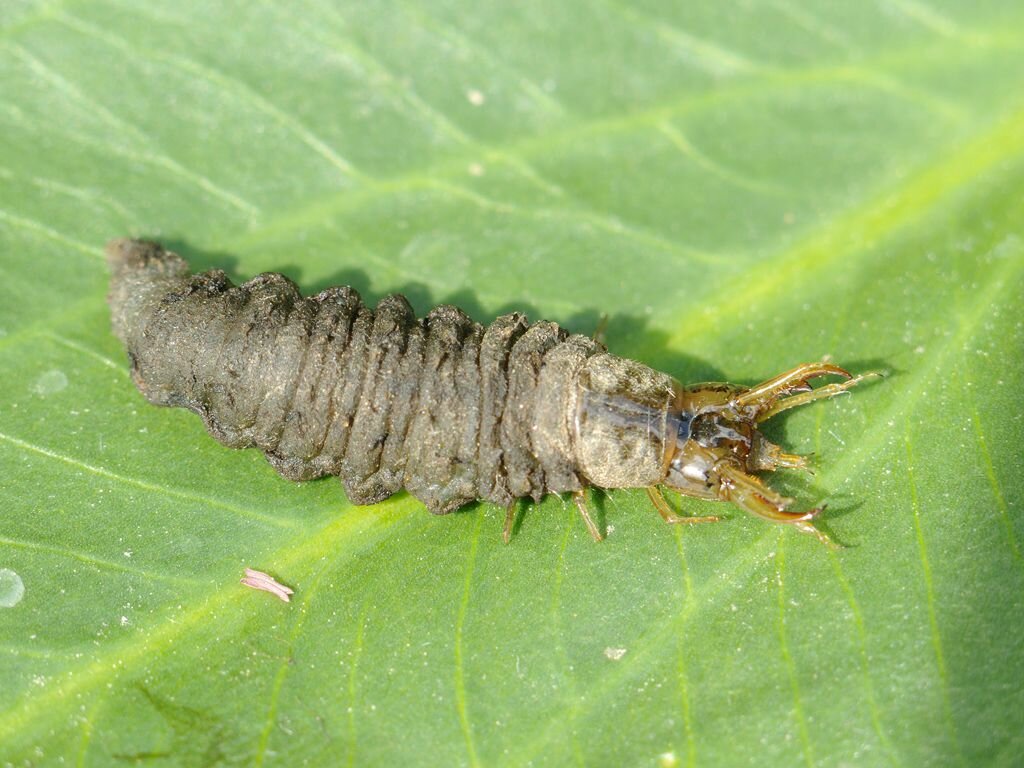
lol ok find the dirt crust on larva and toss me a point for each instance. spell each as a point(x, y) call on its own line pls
point(442, 406)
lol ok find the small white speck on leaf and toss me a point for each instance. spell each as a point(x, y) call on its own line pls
point(475, 97)
point(49, 382)
point(12, 588)
point(267, 583)
point(668, 760)
point(614, 654)
point(476, 169)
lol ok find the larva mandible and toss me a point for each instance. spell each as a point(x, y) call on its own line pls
point(443, 407)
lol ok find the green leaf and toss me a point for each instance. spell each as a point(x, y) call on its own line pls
point(739, 187)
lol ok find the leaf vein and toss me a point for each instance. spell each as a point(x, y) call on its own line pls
point(49, 233)
point(929, 584)
point(86, 351)
point(684, 691)
point(455, 36)
point(285, 666)
point(361, 530)
point(97, 562)
point(861, 639)
point(711, 57)
point(461, 706)
point(993, 480)
point(556, 621)
point(146, 485)
point(357, 652)
point(121, 127)
point(228, 83)
point(787, 655)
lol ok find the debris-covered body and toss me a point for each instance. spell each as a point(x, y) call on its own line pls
point(448, 409)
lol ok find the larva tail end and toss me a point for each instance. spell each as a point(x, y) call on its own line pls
point(128, 255)
point(140, 272)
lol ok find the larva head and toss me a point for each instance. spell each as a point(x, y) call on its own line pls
point(711, 432)
point(717, 440)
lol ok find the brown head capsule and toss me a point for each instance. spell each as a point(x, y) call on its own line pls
point(443, 407)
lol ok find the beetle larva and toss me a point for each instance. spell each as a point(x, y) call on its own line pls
point(443, 407)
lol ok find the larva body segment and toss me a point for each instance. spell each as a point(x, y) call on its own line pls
point(443, 407)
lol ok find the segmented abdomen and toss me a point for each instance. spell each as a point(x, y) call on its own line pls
point(442, 406)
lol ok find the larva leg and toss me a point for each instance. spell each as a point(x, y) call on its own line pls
point(829, 390)
point(662, 505)
point(749, 494)
point(580, 499)
point(510, 519)
point(767, 456)
point(791, 461)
